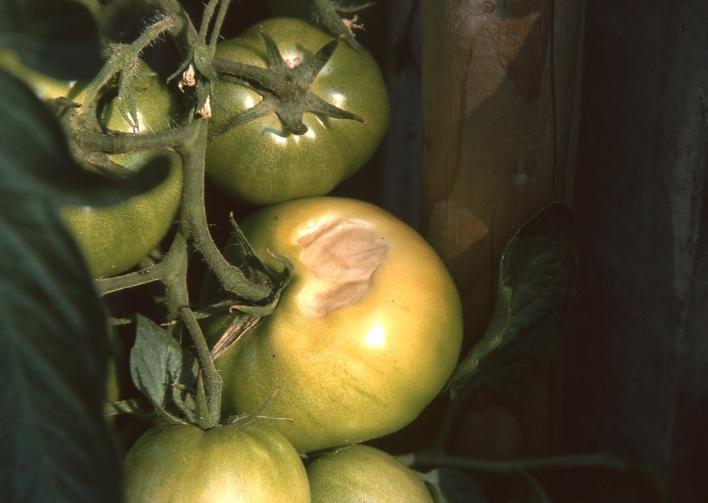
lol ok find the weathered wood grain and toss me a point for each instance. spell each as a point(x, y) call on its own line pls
point(500, 114)
point(637, 374)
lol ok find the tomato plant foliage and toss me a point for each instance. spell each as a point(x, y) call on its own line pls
point(341, 323)
point(535, 283)
point(56, 37)
point(53, 332)
point(53, 329)
point(158, 364)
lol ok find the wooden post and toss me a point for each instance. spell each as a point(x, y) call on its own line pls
point(403, 147)
point(637, 374)
point(499, 115)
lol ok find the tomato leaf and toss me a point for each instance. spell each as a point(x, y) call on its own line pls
point(54, 443)
point(447, 485)
point(46, 165)
point(55, 37)
point(159, 365)
point(535, 283)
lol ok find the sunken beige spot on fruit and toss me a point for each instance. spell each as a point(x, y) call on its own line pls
point(341, 257)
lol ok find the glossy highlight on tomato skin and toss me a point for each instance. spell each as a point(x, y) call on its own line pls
point(360, 371)
point(227, 464)
point(259, 162)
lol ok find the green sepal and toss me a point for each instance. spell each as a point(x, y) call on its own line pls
point(127, 103)
point(285, 90)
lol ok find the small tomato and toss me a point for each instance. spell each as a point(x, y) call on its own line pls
point(184, 464)
point(259, 161)
point(361, 473)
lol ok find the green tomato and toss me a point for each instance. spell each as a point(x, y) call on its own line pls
point(364, 337)
point(360, 473)
point(184, 464)
point(259, 162)
point(113, 239)
point(102, 233)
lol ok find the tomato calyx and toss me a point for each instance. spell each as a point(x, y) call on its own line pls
point(247, 315)
point(284, 86)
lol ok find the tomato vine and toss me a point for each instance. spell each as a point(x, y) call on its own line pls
point(251, 287)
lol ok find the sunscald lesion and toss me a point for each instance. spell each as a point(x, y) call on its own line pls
point(341, 257)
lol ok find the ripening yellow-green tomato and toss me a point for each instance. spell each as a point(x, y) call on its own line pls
point(236, 463)
point(363, 338)
point(359, 473)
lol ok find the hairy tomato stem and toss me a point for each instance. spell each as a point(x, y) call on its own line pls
point(177, 301)
point(194, 224)
point(220, 17)
point(119, 143)
point(130, 280)
point(123, 56)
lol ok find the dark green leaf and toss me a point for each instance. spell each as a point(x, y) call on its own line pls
point(36, 157)
point(447, 485)
point(55, 37)
point(54, 443)
point(158, 362)
point(535, 283)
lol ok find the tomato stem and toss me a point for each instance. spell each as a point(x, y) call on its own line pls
point(207, 17)
point(448, 419)
point(177, 301)
point(116, 142)
point(190, 140)
point(194, 224)
point(329, 15)
point(591, 460)
point(122, 56)
point(130, 280)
